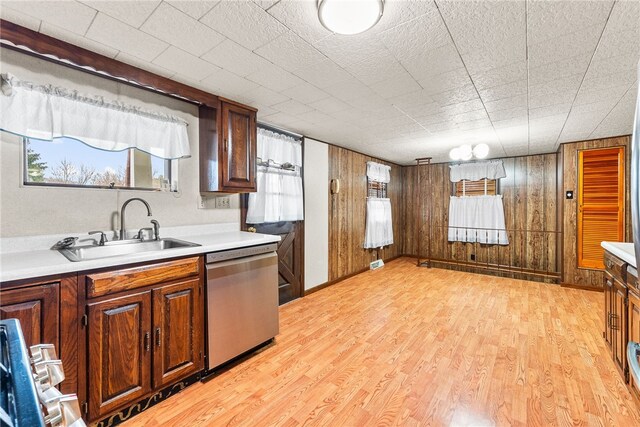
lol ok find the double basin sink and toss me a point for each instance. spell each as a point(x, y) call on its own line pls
point(122, 247)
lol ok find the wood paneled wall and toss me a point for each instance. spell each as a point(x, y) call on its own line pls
point(347, 213)
point(568, 211)
point(530, 203)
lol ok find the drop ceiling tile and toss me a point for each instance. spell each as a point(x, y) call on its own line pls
point(581, 42)
point(315, 117)
point(330, 105)
point(228, 84)
point(473, 124)
point(555, 70)
point(587, 96)
point(349, 90)
point(611, 65)
point(397, 12)
point(70, 15)
point(19, 18)
point(305, 93)
point(482, 25)
point(456, 96)
point(145, 65)
point(446, 81)
point(195, 9)
point(564, 84)
point(301, 17)
point(621, 78)
point(537, 101)
point(508, 114)
point(462, 107)
point(548, 20)
point(396, 86)
point(427, 32)
point(517, 122)
point(508, 90)
point(482, 61)
point(263, 96)
point(519, 101)
point(501, 76)
point(322, 75)
point(133, 13)
point(185, 64)
point(574, 136)
point(290, 52)
point(359, 49)
point(583, 122)
point(412, 99)
point(235, 58)
point(551, 110)
point(75, 39)
point(619, 43)
point(244, 22)
point(625, 15)
point(179, 29)
point(118, 35)
point(292, 107)
point(274, 78)
point(606, 104)
point(376, 70)
point(423, 64)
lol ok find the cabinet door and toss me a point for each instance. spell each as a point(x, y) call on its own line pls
point(619, 326)
point(634, 332)
point(178, 329)
point(608, 307)
point(37, 309)
point(119, 352)
point(238, 148)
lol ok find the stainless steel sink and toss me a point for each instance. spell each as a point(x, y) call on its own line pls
point(122, 247)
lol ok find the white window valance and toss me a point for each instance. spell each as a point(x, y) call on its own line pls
point(477, 219)
point(279, 195)
point(47, 112)
point(378, 172)
point(476, 171)
point(379, 227)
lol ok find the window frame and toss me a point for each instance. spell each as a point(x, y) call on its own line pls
point(171, 167)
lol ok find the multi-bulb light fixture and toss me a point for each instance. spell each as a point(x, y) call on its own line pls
point(349, 16)
point(466, 152)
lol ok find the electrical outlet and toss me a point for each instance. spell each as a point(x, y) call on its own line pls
point(223, 202)
point(473, 257)
point(201, 202)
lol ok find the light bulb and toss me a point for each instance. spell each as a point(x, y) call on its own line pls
point(349, 16)
point(465, 152)
point(454, 154)
point(481, 151)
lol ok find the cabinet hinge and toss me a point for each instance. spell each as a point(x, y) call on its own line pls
point(85, 408)
point(84, 320)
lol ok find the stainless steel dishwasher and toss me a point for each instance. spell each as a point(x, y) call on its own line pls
point(242, 301)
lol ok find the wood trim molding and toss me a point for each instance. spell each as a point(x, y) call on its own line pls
point(584, 288)
point(31, 42)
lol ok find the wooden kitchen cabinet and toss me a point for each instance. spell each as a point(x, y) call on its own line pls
point(177, 329)
point(119, 332)
point(618, 326)
point(37, 309)
point(228, 148)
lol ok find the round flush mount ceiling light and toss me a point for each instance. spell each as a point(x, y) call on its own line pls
point(480, 151)
point(454, 154)
point(349, 17)
point(465, 152)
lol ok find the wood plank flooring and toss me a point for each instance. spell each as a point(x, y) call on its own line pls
point(414, 346)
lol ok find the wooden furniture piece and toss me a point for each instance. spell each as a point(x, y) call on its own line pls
point(144, 336)
point(228, 148)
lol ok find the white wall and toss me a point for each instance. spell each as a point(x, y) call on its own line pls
point(316, 213)
point(29, 210)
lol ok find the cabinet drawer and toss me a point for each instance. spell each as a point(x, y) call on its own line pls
point(615, 266)
point(110, 282)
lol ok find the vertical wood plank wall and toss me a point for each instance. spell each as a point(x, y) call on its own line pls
point(569, 208)
point(530, 203)
point(347, 213)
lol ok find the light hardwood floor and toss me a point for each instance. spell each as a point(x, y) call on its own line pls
point(414, 346)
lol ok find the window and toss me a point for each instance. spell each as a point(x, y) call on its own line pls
point(481, 187)
point(600, 203)
point(376, 189)
point(70, 163)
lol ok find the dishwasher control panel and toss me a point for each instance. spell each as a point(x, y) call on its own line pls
point(240, 252)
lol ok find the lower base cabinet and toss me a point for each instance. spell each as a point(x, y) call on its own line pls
point(634, 331)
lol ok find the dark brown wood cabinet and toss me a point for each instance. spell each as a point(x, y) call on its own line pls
point(119, 334)
point(145, 336)
point(37, 309)
point(633, 327)
point(615, 321)
point(177, 344)
point(228, 148)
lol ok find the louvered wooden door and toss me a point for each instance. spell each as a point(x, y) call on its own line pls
point(600, 203)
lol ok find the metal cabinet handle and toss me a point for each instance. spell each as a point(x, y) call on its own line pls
point(157, 337)
point(614, 324)
point(609, 264)
point(147, 342)
point(608, 320)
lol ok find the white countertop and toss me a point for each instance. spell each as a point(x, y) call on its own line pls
point(624, 251)
point(48, 262)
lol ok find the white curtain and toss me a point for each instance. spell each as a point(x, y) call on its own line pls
point(493, 169)
point(378, 172)
point(477, 219)
point(279, 194)
point(47, 112)
point(379, 230)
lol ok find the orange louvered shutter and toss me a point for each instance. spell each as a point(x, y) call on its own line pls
point(600, 203)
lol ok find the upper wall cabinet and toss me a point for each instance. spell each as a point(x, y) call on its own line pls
point(228, 152)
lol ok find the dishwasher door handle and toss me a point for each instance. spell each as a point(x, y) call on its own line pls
point(243, 260)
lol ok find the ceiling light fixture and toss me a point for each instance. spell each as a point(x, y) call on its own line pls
point(349, 17)
point(465, 152)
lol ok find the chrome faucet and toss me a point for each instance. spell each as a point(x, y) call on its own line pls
point(123, 228)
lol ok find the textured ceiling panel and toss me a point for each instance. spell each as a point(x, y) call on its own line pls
point(521, 76)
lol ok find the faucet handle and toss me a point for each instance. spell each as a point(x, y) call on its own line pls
point(140, 234)
point(103, 237)
point(156, 229)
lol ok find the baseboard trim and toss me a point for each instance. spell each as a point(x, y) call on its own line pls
point(584, 288)
point(340, 279)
